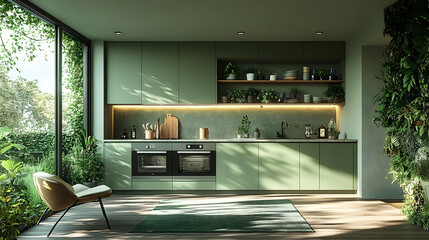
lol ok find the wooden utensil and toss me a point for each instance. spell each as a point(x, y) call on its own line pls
point(157, 135)
point(170, 128)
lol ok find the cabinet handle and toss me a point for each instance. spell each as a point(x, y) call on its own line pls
point(193, 152)
point(151, 152)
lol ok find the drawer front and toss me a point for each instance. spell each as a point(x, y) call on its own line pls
point(152, 185)
point(152, 146)
point(194, 185)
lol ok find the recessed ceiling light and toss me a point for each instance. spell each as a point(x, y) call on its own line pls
point(118, 33)
point(240, 33)
point(319, 33)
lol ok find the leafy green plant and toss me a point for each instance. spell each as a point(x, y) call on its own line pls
point(266, 95)
point(323, 73)
point(334, 91)
point(252, 92)
point(251, 70)
point(231, 69)
point(403, 108)
point(245, 125)
point(236, 96)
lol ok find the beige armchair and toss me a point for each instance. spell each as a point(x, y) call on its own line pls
point(59, 195)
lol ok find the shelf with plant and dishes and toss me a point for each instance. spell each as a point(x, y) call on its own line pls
point(232, 74)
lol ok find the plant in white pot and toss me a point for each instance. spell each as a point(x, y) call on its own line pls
point(250, 74)
point(231, 71)
point(87, 156)
point(243, 129)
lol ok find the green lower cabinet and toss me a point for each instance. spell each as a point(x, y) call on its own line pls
point(117, 162)
point(194, 185)
point(237, 166)
point(309, 177)
point(279, 166)
point(337, 166)
point(152, 185)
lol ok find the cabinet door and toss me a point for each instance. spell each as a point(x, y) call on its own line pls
point(236, 166)
point(336, 166)
point(279, 166)
point(123, 70)
point(309, 166)
point(160, 72)
point(197, 73)
point(237, 50)
point(324, 51)
point(117, 161)
point(281, 51)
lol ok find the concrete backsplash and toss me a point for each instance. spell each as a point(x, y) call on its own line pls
point(223, 121)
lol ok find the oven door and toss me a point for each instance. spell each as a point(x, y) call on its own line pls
point(151, 163)
point(194, 163)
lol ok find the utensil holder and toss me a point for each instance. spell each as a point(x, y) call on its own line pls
point(149, 134)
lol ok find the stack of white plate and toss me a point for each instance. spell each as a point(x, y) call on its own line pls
point(317, 99)
point(291, 74)
point(307, 98)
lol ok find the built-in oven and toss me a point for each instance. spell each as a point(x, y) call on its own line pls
point(194, 159)
point(151, 160)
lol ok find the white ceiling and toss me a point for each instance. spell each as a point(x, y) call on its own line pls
point(215, 20)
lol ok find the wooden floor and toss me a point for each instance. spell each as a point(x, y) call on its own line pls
point(332, 216)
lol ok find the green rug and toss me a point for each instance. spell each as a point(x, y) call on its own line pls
point(215, 216)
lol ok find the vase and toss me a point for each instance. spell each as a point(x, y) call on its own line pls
point(256, 134)
point(250, 99)
point(239, 135)
point(225, 99)
point(246, 135)
point(231, 76)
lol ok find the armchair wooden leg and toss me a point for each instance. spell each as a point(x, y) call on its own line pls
point(60, 219)
point(40, 219)
point(104, 212)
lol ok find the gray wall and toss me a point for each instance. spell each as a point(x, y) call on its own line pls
point(376, 181)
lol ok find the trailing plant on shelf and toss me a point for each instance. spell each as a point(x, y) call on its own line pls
point(403, 108)
point(252, 93)
point(323, 73)
point(335, 93)
point(236, 96)
point(243, 129)
point(266, 95)
point(260, 73)
point(231, 69)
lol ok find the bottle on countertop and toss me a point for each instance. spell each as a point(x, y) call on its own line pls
point(322, 131)
point(133, 132)
point(124, 134)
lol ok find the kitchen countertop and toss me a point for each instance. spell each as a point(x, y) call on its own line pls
point(261, 140)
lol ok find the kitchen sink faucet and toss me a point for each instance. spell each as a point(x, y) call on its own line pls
point(281, 135)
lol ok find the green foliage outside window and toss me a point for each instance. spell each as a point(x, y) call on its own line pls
point(403, 104)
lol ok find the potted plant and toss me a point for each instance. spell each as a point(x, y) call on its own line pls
point(293, 93)
point(231, 71)
point(86, 154)
point(334, 134)
point(323, 73)
point(267, 96)
point(260, 74)
point(252, 93)
point(237, 96)
point(335, 93)
point(256, 133)
point(250, 74)
point(243, 129)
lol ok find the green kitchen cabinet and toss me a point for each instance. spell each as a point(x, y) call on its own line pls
point(237, 166)
point(309, 177)
point(278, 166)
point(123, 72)
point(281, 51)
point(324, 51)
point(236, 50)
point(117, 163)
point(160, 72)
point(336, 166)
point(197, 73)
point(153, 185)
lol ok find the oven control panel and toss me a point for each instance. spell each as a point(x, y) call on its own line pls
point(194, 146)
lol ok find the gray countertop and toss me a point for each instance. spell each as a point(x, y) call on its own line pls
point(261, 140)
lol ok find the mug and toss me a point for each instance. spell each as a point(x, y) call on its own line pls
point(204, 133)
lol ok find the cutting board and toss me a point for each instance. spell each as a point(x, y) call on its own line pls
point(170, 128)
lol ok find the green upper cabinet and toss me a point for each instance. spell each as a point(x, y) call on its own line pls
point(123, 72)
point(309, 166)
point(324, 51)
point(336, 166)
point(117, 162)
point(160, 72)
point(237, 50)
point(281, 51)
point(197, 73)
point(278, 166)
point(237, 166)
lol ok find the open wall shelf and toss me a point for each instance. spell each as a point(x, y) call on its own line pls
point(280, 81)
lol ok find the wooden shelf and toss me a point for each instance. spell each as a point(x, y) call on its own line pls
point(283, 104)
point(280, 81)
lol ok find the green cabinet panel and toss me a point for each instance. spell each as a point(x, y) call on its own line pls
point(197, 73)
point(281, 51)
point(117, 162)
point(279, 166)
point(160, 72)
point(123, 72)
point(355, 173)
point(324, 51)
point(194, 185)
point(154, 185)
point(237, 166)
point(309, 166)
point(237, 50)
point(336, 166)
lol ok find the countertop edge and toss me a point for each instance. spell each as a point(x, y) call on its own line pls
point(231, 140)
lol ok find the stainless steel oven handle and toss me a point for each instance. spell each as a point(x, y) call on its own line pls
point(152, 152)
point(193, 152)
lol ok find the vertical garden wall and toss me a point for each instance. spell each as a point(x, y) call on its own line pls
point(404, 103)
